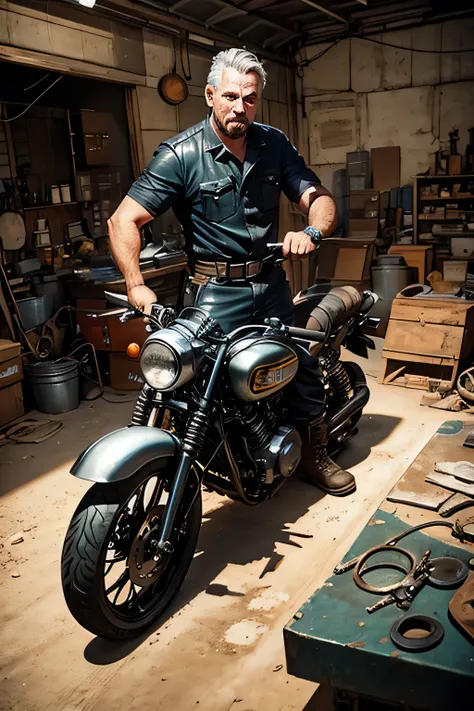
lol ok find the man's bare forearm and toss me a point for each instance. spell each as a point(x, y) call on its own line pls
point(125, 243)
point(323, 215)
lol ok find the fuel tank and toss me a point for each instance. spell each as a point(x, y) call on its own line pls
point(260, 366)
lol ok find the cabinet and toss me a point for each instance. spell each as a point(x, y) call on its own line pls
point(425, 341)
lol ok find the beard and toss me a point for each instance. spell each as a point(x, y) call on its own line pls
point(232, 130)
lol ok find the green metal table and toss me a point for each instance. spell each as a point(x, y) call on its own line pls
point(333, 640)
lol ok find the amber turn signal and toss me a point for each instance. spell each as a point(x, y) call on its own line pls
point(133, 350)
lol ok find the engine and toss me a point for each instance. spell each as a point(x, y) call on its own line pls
point(275, 449)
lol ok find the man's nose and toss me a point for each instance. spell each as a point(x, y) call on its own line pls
point(239, 106)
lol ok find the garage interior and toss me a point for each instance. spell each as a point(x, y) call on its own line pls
point(378, 98)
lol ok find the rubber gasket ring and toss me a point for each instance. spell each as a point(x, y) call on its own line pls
point(436, 633)
point(460, 576)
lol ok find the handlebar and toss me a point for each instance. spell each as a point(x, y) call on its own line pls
point(306, 334)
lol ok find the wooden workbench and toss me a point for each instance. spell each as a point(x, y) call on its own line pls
point(333, 640)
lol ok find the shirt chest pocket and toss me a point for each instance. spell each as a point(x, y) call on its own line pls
point(219, 199)
point(270, 189)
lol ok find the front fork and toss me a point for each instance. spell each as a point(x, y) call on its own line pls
point(191, 446)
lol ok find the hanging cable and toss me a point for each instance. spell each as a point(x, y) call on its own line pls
point(22, 113)
point(414, 49)
point(45, 76)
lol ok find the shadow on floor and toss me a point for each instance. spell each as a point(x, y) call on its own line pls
point(20, 464)
point(239, 535)
point(373, 429)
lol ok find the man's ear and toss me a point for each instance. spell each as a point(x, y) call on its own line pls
point(209, 95)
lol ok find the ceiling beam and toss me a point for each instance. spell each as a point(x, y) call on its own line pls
point(325, 11)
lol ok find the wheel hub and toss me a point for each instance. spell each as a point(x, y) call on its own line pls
point(144, 562)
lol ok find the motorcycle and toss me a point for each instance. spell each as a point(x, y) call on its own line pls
point(212, 414)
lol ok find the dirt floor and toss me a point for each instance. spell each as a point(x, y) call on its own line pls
point(222, 646)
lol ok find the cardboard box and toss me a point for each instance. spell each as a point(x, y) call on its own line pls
point(11, 404)
point(455, 271)
point(385, 167)
point(416, 255)
point(364, 204)
point(125, 372)
point(344, 259)
point(363, 228)
point(10, 363)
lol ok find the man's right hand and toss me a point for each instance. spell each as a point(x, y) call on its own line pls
point(142, 297)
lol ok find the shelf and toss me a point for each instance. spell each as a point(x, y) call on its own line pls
point(441, 177)
point(45, 207)
point(428, 218)
point(448, 199)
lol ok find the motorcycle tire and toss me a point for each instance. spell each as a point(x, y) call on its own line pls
point(85, 552)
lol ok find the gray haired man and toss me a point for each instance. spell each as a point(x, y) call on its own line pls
point(223, 179)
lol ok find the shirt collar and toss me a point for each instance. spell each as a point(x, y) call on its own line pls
point(213, 142)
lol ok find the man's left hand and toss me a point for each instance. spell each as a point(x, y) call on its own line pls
point(297, 245)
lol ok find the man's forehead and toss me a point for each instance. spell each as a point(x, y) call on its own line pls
point(235, 81)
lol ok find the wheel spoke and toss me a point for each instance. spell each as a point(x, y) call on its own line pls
point(120, 583)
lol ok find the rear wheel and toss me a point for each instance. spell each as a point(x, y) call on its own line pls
point(114, 582)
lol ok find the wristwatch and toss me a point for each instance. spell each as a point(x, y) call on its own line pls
point(314, 234)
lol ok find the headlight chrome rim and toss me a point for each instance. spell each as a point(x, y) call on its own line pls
point(154, 345)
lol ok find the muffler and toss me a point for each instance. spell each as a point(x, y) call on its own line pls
point(357, 402)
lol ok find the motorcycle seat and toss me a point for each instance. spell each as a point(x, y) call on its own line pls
point(322, 310)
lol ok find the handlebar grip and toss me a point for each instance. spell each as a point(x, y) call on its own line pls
point(307, 334)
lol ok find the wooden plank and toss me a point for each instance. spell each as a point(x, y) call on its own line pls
point(66, 65)
point(88, 25)
point(454, 315)
point(417, 358)
point(430, 339)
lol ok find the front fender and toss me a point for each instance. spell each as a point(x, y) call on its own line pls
point(120, 454)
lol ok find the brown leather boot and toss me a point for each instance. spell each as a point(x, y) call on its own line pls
point(316, 467)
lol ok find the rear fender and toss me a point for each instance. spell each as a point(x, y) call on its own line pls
point(120, 454)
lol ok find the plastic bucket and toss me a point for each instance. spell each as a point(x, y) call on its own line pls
point(55, 386)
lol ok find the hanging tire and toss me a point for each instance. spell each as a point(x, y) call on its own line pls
point(112, 583)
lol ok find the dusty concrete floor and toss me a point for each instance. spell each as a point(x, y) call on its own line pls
point(222, 647)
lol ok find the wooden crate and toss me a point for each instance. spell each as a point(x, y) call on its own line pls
point(416, 255)
point(425, 340)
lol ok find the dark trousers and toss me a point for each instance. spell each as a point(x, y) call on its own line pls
point(238, 303)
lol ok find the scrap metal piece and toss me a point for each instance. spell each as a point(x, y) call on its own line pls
point(462, 605)
point(455, 503)
point(469, 441)
point(461, 470)
point(451, 482)
point(431, 500)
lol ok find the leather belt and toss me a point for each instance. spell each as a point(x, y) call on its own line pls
point(225, 270)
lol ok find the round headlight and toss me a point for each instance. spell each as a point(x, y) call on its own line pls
point(159, 365)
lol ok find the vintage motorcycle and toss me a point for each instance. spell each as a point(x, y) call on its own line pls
point(212, 413)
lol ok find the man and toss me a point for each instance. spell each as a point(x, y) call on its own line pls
point(223, 179)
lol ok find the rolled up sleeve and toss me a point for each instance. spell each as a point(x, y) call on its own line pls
point(160, 186)
point(297, 177)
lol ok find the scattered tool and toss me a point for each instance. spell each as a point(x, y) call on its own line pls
point(401, 593)
point(344, 567)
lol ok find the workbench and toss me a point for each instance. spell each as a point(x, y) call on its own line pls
point(334, 641)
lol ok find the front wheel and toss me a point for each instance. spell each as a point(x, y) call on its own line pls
point(114, 583)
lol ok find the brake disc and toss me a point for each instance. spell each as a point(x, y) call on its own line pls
point(144, 565)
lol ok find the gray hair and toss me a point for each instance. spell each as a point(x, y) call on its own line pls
point(239, 59)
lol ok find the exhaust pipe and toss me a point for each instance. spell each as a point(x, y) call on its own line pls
point(357, 402)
